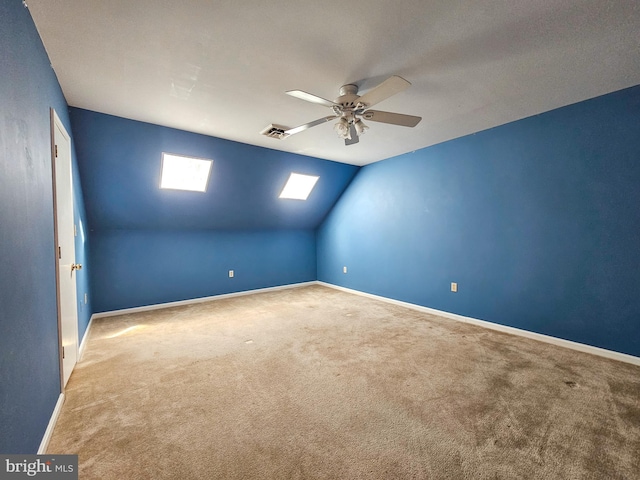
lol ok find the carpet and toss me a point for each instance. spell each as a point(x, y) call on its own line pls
point(316, 383)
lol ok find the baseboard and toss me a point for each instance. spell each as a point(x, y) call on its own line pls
point(581, 347)
point(158, 306)
point(44, 444)
point(83, 343)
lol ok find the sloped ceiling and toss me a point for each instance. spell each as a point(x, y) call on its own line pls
point(221, 68)
point(120, 164)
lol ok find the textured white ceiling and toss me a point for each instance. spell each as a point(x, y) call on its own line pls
point(221, 67)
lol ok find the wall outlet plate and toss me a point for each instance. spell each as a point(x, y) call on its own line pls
point(231, 273)
point(344, 269)
point(454, 287)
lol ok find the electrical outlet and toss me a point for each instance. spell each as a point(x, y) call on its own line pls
point(344, 269)
point(454, 287)
point(230, 273)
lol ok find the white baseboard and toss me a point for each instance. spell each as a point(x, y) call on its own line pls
point(581, 347)
point(83, 343)
point(157, 306)
point(52, 423)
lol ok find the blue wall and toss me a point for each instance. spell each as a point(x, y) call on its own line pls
point(29, 370)
point(142, 267)
point(153, 246)
point(538, 221)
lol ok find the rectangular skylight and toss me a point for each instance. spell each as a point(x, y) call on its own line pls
point(185, 173)
point(299, 186)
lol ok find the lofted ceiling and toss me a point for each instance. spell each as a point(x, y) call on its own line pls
point(120, 180)
point(221, 67)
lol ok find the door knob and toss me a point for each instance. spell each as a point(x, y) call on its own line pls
point(76, 266)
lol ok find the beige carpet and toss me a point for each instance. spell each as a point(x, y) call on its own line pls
point(312, 382)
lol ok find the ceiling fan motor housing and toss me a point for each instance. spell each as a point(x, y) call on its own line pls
point(347, 104)
point(345, 107)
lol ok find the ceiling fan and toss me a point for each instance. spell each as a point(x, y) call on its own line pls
point(350, 109)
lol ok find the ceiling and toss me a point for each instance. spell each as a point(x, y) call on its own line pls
point(120, 180)
point(221, 68)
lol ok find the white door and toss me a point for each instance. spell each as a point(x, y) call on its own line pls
point(65, 233)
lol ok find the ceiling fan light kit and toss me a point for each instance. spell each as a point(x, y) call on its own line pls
point(342, 128)
point(350, 108)
point(361, 127)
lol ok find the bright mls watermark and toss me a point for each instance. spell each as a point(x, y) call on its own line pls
point(51, 467)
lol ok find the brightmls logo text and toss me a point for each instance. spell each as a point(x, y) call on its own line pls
point(51, 467)
point(31, 468)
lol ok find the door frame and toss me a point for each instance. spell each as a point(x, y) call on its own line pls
point(56, 122)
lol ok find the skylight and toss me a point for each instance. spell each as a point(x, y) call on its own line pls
point(298, 186)
point(185, 173)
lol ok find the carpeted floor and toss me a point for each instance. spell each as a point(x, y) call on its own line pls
point(316, 383)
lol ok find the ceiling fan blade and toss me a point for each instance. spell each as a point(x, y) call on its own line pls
point(309, 97)
point(306, 126)
point(389, 87)
point(354, 136)
point(392, 118)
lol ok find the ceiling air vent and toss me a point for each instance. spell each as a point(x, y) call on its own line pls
point(275, 131)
